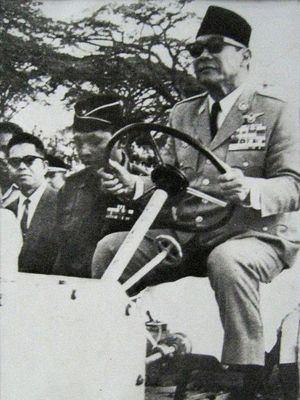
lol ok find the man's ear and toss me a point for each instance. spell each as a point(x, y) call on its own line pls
point(246, 57)
point(46, 165)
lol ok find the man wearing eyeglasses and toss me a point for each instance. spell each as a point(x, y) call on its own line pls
point(256, 135)
point(36, 206)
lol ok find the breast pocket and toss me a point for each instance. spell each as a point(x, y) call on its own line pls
point(251, 162)
point(186, 155)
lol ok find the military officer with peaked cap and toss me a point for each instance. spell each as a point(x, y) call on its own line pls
point(82, 203)
point(257, 235)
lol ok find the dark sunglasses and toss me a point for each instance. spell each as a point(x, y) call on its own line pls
point(213, 45)
point(15, 162)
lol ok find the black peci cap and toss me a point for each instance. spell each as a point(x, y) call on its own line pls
point(98, 112)
point(220, 21)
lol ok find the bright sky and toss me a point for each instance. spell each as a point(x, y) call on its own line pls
point(274, 41)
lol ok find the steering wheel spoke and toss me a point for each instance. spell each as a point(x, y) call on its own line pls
point(202, 195)
point(156, 150)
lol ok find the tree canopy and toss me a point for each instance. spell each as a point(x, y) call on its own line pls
point(131, 50)
point(27, 52)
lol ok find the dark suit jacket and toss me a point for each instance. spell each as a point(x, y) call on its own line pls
point(81, 211)
point(40, 245)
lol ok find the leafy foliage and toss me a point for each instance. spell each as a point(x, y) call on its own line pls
point(27, 54)
point(131, 50)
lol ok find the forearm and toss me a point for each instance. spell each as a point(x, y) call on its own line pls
point(274, 195)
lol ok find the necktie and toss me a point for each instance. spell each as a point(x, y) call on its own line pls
point(214, 118)
point(24, 220)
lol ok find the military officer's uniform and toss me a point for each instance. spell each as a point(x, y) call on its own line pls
point(82, 203)
point(243, 244)
point(270, 234)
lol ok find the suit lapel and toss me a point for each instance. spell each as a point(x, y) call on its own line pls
point(199, 130)
point(40, 213)
point(201, 124)
point(234, 118)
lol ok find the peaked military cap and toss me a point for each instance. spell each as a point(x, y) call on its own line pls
point(56, 164)
point(220, 21)
point(98, 112)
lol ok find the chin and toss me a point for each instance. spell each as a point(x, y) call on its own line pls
point(209, 82)
point(24, 182)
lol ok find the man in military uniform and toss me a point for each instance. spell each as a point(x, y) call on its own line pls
point(82, 203)
point(57, 170)
point(254, 134)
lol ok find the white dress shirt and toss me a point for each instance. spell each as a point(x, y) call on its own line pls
point(34, 201)
point(226, 104)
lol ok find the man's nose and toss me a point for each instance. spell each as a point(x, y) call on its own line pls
point(22, 165)
point(205, 54)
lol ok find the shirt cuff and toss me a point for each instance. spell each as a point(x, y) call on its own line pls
point(253, 199)
point(139, 187)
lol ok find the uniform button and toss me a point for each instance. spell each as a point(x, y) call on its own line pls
point(184, 145)
point(204, 201)
point(208, 162)
point(245, 164)
point(265, 228)
point(174, 213)
point(205, 182)
point(198, 220)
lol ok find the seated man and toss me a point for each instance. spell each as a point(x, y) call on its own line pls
point(35, 207)
point(254, 134)
point(82, 203)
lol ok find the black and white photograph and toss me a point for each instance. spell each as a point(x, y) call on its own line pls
point(150, 200)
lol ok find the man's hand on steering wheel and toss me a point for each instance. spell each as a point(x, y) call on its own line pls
point(234, 185)
point(118, 181)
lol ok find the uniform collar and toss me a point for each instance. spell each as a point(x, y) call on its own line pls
point(235, 116)
point(90, 177)
point(228, 101)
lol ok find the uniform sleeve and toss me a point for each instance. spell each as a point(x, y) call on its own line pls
point(280, 188)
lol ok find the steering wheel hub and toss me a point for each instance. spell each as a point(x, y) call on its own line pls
point(169, 178)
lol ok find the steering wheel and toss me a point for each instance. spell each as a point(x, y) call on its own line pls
point(164, 175)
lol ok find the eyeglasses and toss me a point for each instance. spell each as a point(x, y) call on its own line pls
point(15, 162)
point(213, 45)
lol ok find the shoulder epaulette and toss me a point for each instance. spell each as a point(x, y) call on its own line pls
point(271, 92)
point(197, 96)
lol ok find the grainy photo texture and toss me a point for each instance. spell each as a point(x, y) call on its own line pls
point(150, 194)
